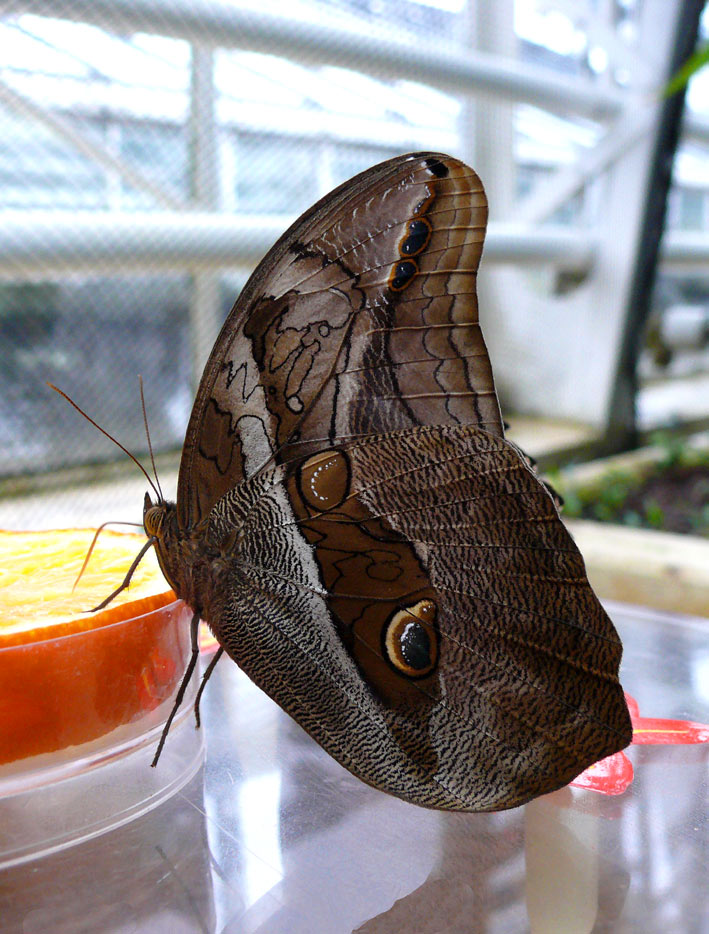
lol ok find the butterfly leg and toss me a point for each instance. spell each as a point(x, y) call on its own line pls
point(205, 677)
point(126, 580)
point(194, 630)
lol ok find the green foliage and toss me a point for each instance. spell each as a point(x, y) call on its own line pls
point(680, 79)
point(674, 449)
point(700, 521)
point(573, 501)
point(618, 495)
point(602, 501)
point(654, 514)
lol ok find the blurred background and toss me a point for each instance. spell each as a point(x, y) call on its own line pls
point(152, 150)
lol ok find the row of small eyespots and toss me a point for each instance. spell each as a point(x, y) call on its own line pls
point(414, 242)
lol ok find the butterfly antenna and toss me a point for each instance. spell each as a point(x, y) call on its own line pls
point(110, 437)
point(147, 435)
point(93, 545)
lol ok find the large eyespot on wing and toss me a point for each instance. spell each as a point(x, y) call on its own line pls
point(362, 318)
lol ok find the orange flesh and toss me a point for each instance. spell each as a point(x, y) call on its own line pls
point(66, 676)
point(38, 571)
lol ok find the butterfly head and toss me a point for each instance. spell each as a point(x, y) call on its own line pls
point(157, 518)
point(171, 547)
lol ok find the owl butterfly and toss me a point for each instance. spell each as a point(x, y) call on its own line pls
point(357, 532)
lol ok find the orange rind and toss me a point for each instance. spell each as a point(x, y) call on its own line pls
point(67, 676)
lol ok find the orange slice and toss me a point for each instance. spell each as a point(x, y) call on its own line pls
point(67, 676)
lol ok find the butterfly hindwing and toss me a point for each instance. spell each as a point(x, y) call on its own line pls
point(444, 648)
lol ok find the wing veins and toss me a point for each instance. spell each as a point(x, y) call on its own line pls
point(488, 696)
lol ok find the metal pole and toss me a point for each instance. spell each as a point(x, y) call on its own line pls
point(622, 428)
point(205, 311)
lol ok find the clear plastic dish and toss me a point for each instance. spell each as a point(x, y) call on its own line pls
point(80, 717)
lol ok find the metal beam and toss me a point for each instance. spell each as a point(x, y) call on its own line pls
point(685, 251)
point(33, 242)
point(695, 128)
point(48, 243)
point(566, 182)
point(44, 243)
point(564, 346)
point(220, 23)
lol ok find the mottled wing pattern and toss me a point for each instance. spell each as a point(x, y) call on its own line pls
point(362, 319)
point(527, 660)
point(440, 639)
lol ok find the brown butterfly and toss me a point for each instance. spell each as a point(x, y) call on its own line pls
point(356, 530)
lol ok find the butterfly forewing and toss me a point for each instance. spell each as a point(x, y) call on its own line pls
point(363, 541)
point(363, 318)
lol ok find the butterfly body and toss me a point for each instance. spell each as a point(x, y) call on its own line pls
point(358, 533)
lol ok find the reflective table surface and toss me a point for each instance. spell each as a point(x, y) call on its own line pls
point(272, 836)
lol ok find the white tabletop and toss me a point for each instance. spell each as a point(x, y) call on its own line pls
point(272, 836)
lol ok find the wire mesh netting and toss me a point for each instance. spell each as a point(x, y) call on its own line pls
point(96, 120)
point(153, 112)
